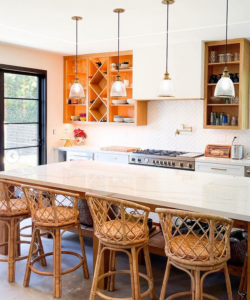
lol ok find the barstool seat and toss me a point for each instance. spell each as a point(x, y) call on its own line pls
point(14, 207)
point(63, 214)
point(192, 247)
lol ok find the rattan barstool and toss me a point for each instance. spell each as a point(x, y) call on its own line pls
point(120, 226)
point(195, 243)
point(54, 212)
point(14, 208)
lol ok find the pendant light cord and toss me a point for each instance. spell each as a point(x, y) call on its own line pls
point(226, 34)
point(76, 46)
point(167, 38)
point(118, 42)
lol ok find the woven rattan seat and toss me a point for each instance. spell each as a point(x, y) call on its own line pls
point(195, 247)
point(16, 206)
point(113, 229)
point(195, 243)
point(120, 225)
point(54, 212)
point(63, 214)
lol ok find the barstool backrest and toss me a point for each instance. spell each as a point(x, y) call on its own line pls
point(195, 237)
point(12, 199)
point(51, 207)
point(117, 221)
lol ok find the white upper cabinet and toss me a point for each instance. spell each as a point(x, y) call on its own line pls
point(186, 68)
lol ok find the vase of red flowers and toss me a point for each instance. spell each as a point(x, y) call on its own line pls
point(79, 135)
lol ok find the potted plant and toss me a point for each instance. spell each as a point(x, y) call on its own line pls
point(79, 135)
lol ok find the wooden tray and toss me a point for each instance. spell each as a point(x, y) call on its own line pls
point(119, 149)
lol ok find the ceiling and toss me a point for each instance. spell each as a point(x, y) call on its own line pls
point(47, 24)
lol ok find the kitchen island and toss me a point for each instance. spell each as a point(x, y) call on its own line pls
point(223, 195)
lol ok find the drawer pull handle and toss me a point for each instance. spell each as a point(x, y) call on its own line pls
point(217, 169)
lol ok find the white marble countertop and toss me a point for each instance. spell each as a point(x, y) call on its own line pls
point(202, 192)
point(227, 161)
point(89, 148)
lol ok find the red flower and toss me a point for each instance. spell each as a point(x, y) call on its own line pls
point(79, 133)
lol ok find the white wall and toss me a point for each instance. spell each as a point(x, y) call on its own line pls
point(53, 63)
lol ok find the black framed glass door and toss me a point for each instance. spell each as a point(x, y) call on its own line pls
point(23, 118)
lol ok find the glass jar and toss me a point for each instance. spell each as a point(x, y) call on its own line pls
point(228, 56)
point(221, 58)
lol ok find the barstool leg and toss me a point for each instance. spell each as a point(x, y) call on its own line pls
point(85, 264)
point(26, 280)
point(149, 270)
point(112, 267)
point(228, 283)
point(165, 280)
point(57, 288)
point(136, 277)
point(96, 273)
point(11, 251)
point(197, 277)
point(40, 248)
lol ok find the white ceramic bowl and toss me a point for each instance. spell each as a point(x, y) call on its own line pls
point(75, 118)
point(129, 120)
point(116, 102)
point(118, 120)
point(131, 101)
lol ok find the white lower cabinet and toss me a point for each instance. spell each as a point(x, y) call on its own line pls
point(116, 158)
point(220, 169)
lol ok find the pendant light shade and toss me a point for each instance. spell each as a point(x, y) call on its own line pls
point(76, 90)
point(118, 88)
point(225, 87)
point(166, 88)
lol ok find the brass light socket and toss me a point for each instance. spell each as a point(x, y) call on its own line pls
point(166, 76)
point(119, 10)
point(118, 77)
point(76, 18)
point(168, 2)
point(77, 79)
point(225, 73)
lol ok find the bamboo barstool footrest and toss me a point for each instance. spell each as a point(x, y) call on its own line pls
point(195, 243)
point(120, 225)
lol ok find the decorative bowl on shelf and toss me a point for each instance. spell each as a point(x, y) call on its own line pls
point(129, 120)
point(131, 101)
point(118, 119)
point(75, 118)
point(116, 102)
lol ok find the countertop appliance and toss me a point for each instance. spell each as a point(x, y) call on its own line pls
point(164, 159)
point(237, 151)
point(71, 155)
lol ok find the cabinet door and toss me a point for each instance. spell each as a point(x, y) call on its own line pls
point(220, 169)
point(116, 158)
point(185, 68)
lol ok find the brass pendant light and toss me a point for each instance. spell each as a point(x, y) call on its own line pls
point(225, 87)
point(118, 88)
point(166, 88)
point(76, 90)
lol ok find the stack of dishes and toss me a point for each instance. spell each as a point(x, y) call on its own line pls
point(129, 120)
point(117, 102)
point(131, 101)
point(118, 119)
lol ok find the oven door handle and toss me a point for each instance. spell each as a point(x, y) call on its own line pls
point(217, 169)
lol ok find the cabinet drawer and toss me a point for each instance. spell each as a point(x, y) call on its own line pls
point(112, 158)
point(219, 169)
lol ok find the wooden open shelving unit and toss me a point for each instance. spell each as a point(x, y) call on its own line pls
point(97, 76)
point(241, 109)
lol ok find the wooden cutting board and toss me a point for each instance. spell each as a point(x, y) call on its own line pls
point(120, 149)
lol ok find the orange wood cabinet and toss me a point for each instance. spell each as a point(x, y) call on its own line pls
point(96, 76)
point(239, 107)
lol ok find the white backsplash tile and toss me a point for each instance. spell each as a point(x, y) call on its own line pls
point(164, 117)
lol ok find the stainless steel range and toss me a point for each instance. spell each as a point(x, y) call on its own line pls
point(164, 159)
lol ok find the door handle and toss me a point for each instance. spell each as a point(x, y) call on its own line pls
point(217, 169)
